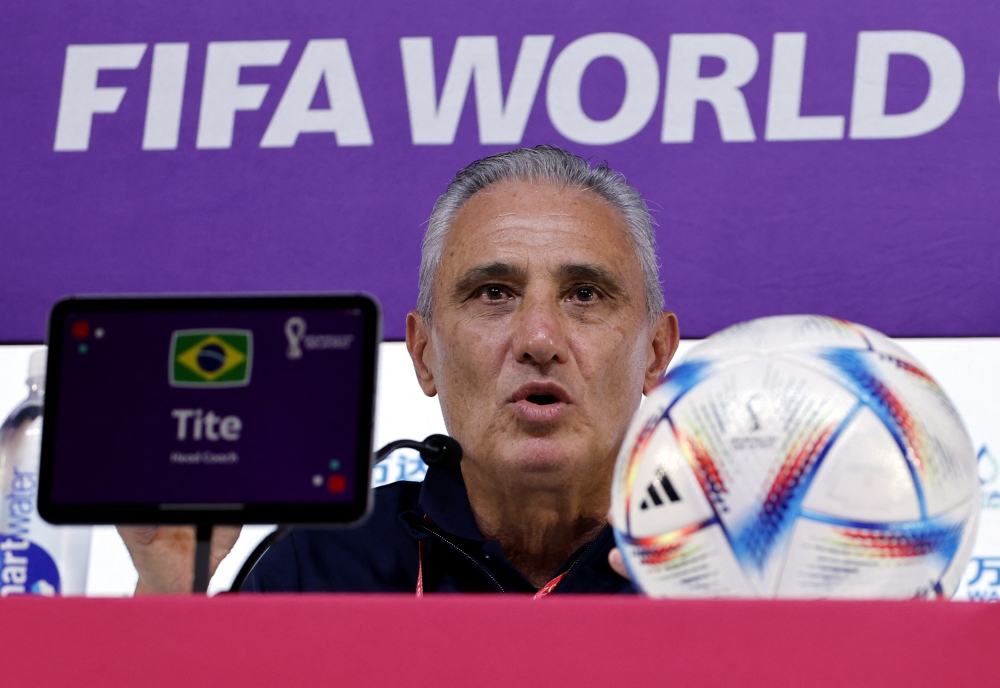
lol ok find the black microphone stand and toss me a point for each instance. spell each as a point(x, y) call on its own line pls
point(202, 552)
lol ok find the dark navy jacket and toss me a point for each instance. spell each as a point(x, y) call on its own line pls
point(382, 554)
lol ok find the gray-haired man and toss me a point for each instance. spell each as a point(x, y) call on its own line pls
point(539, 324)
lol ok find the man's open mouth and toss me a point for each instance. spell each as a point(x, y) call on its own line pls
point(541, 402)
point(541, 393)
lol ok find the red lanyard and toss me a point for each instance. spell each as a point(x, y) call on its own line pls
point(550, 586)
point(545, 590)
point(420, 567)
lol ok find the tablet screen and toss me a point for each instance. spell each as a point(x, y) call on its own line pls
point(160, 409)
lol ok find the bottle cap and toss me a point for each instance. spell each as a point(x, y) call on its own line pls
point(36, 363)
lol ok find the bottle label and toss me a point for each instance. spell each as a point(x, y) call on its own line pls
point(20, 503)
point(26, 568)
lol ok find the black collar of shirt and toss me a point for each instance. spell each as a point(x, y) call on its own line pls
point(444, 500)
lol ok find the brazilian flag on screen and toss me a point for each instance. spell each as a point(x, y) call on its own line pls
point(211, 358)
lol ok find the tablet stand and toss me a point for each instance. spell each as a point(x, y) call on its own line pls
point(202, 552)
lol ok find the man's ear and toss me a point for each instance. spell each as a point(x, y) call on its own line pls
point(418, 344)
point(666, 337)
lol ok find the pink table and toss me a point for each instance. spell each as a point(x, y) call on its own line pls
point(385, 640)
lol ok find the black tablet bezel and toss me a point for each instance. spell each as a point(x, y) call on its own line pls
point(249, 513)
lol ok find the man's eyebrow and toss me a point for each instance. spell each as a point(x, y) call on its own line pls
point(479, 274)
point(597, 274)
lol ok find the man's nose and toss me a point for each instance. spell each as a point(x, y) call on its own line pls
point(539, 335)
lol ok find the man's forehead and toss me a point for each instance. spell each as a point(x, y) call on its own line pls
point(518, 223)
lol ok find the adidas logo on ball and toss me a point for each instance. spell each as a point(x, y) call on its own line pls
point(669, 494)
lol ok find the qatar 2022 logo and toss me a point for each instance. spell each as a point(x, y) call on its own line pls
point(210, 358)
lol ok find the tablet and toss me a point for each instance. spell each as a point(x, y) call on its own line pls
point(242, 409)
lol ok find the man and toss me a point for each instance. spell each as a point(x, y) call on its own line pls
point(539, 324)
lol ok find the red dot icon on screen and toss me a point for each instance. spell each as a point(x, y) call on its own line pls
point(336, 484)
point(81, 329)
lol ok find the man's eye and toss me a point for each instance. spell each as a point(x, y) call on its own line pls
point(585, 294)
point(494, 293)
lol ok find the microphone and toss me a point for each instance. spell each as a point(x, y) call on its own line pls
point(436, 450)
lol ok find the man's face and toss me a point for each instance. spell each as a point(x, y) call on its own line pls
point(540, 344)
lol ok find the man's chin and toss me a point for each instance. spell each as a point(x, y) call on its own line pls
point(542, 454)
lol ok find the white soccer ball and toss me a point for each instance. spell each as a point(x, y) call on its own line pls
point(796, 456)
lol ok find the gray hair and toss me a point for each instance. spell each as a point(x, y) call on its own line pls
point(549, 164)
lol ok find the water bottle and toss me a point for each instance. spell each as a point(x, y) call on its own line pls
point(35, 556)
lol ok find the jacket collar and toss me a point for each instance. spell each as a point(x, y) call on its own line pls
point(444, 499)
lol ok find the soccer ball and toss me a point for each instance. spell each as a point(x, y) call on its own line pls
point(796, 456)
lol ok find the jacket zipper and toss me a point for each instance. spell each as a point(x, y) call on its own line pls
point(586, 549)
point(466, 554)
point(487, 572)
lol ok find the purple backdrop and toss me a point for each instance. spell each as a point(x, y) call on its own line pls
point(897, 233)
